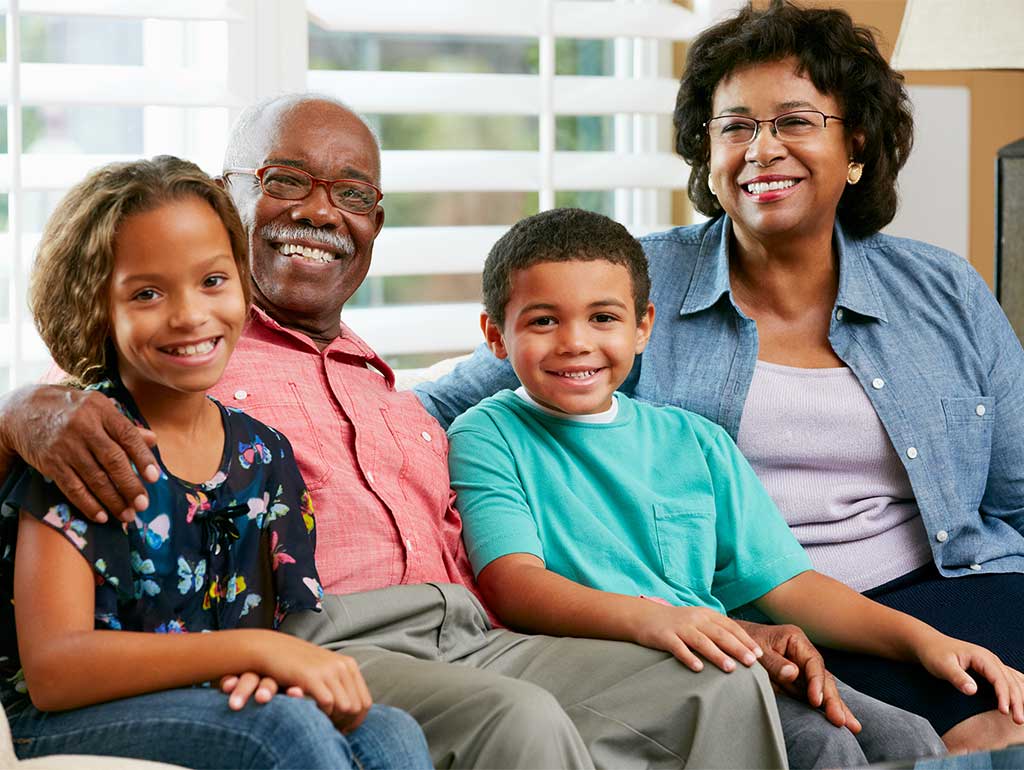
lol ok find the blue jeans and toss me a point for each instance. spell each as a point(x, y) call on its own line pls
point(194, 727)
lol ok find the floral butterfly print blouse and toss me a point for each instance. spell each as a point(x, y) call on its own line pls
point(233, 552)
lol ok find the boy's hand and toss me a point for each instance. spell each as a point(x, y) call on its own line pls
point(80, 440)
point(251, 685)
point(796, 668)
point(950, 659)
point(684, 631)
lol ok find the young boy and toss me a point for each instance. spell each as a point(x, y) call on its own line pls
point(587, 513)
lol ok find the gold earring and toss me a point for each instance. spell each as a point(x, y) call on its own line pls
point(711, 187)
point(854, 172)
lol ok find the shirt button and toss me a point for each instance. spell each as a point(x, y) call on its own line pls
point(426, 436)
point(980, 410)
point(975, 567)
point(839, 314)
point(878, 383)
point(942, 536)
point(241, 395)
point(912, 452)
point(369, 477)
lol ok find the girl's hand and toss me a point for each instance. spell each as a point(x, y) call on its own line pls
point(950, 659)
point(683, 631)
point(331, 679)
point(251, 684)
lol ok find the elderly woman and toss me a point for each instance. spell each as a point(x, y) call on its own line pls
point(873, 382)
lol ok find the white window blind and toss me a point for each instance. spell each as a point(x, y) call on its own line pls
point(85, 82)
point(489, 110)
point(596, 135)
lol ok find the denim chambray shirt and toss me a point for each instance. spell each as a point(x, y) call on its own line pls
point(917, 326)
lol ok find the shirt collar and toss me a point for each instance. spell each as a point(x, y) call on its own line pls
point(857, 281)
point(711, 274)
point(347, 343)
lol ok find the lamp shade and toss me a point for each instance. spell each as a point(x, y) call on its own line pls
point(961, 35)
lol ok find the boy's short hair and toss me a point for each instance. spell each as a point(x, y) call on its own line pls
point(70, 282)
point(562, 235)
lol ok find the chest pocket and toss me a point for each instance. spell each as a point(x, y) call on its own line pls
point(686, 544)
point(283, 410)
point(969, 424)
point(423, 449)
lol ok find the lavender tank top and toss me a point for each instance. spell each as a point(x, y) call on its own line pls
point(817, 445)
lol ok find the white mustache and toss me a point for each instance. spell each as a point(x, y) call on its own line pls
point(330, 241)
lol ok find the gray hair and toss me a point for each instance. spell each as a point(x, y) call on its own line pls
point(248, 129)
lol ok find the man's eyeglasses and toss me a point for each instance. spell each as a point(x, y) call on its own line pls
point(294, 184)
point(788, 127)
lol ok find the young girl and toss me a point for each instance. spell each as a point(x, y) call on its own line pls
point(141, 290)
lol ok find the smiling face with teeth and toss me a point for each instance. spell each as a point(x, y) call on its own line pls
point(571, 332)
point(772, 188)
point(176, 301)
point(308, 256)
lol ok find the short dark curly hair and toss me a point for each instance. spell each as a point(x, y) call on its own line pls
point(842, 60)
point(562, 235)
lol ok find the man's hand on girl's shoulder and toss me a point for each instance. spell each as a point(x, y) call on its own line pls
point(81, 441)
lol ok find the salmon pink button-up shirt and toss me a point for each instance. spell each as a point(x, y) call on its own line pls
point(374, 461)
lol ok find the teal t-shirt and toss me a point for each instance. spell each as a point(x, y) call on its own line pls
point(658, 502)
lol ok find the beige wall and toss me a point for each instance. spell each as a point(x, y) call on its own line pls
point(997, 118)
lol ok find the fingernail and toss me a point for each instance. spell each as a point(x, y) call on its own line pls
point(127, 514)
point(141, 502)
point(758, 651)
point(729, 664)
point(100, 516)
point(151, 473)
point(697, 666)
point(749, 660)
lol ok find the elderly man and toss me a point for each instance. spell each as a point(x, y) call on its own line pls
point(304, 172)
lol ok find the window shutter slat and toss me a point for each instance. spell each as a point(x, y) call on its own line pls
point(456, 92)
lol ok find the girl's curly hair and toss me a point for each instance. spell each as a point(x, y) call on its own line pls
point(70, 282)
point(842, 60)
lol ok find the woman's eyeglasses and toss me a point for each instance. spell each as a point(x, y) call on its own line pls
point(787, 127)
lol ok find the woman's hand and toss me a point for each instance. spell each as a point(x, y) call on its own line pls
point(251, 685)
point(950, 659)
point(683, 631)
point(331, 679)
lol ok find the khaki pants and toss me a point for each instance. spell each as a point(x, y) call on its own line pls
point(491, 698)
